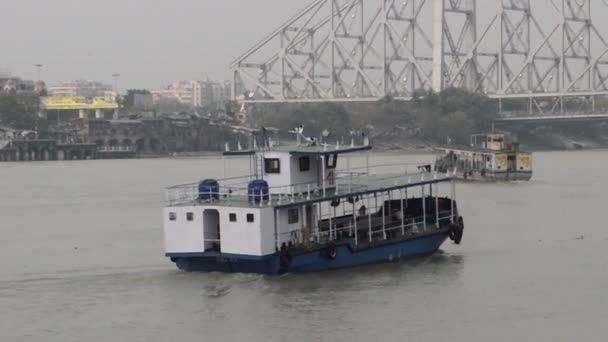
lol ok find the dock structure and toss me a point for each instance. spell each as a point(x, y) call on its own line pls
point(46, 149)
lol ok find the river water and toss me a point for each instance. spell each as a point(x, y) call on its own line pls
point(81, 259)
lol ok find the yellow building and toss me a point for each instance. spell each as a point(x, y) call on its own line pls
point(80, 106)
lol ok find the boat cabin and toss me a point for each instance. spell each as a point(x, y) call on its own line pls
point(296, 169)
point(489, 156)
point(492, 142)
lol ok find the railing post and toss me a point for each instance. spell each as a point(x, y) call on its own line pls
point(323, 174)
point(319, 218)
point(383, 219)
point(423, 209)
point(452, 199)
point(369, 217)
point(329, 221)
point(437, 205)
point(276, 229)
point(355, 222)
point(402, 213)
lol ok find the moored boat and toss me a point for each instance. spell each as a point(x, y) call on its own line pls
point(298, 212)
point(489, 157)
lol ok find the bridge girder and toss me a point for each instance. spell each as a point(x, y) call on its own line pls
point(359, 50)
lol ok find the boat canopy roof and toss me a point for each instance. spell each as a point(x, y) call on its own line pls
point(317, 150)
point(474, 149)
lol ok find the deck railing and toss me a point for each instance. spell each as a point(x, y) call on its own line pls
point(359, 233)
point(116, 149)
point(346, 181)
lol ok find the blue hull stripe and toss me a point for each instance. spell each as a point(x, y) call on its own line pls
point(317, 260)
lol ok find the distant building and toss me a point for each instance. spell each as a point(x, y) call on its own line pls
point(16, 85)
point(88, 89)
point(143, 101)
point(182, 91)
point(195, 93)
point(221, 90)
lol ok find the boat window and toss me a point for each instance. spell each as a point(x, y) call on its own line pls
point(232, 217)
point(190, 216)
point(272, 165)
point(172, 216)
point(304, 163)
point(293, 216)
point(488, 159)
point(331, 160)
point(249, 217)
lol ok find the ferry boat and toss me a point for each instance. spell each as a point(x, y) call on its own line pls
point(489, 157)
point(296, 211)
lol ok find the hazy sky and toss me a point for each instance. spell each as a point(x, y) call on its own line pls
point(149, 42)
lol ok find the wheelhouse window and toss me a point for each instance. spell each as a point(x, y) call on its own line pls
point(172, 216)
point(304, 163)
point(272, 165)
point(293, 216)
point(250, 218)
point(331, 161)
point(232, 217)
point(190, 216)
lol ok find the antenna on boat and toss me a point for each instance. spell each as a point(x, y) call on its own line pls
point(265, 139)
point(298, 132)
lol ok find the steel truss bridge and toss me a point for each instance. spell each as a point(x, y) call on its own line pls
point(548, 54)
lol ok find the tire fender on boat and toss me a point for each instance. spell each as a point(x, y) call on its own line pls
point(331, 251)
point(456, 231)
point(285, 259)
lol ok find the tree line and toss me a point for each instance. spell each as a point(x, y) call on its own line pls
point(19, 110)
point(453, 114)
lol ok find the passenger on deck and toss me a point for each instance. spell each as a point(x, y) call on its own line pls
point(362, 211)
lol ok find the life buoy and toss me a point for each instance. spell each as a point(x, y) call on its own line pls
point(353, 200)
point(331, 251)
point(335, 203)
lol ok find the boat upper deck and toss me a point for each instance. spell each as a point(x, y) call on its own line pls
point(234, 192)
point(304, 150)
point(474, 149)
